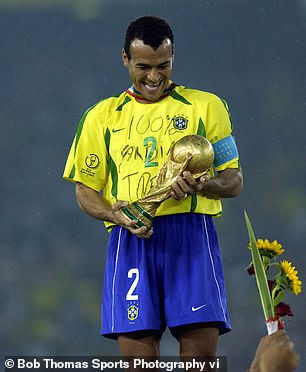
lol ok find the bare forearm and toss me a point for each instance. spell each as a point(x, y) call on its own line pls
point(92, 203)
point(227, 184)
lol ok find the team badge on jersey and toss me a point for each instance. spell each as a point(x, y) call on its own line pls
point(132, 312)
point(180, 122)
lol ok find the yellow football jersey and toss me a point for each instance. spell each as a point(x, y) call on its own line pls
point(121, 144)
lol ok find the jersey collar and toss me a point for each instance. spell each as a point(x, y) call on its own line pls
point(139, 97)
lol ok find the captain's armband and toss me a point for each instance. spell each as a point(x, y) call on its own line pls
point(225, 151)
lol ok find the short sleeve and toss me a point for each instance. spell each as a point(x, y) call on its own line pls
point(219, 132)
point(87, 159)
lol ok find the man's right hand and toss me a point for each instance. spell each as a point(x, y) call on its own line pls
point(122, 220)
point(92, 203)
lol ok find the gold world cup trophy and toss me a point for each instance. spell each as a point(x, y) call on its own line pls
point(192, 153)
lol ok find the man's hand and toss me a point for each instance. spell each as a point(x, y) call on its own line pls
point(186, 185)
point(120, 219)
point(91, 202)
point(275, 353)
point(226, 184)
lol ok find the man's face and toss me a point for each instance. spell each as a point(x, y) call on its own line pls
point(149, 69)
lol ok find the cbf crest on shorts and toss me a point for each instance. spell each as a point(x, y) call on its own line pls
point(132, 311)
point(180, 122)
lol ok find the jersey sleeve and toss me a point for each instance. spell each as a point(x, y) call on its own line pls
point(219, 133)
point(87, 159)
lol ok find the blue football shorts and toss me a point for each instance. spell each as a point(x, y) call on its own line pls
point(174, 278)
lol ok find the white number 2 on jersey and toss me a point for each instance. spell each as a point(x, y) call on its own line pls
point(130, 296)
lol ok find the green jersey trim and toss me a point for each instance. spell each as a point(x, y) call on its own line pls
point(126, 100)
point(228, 111)
point(81, 124)
point(112, 167)
point(201, 129)
point(72, 173)
point(78, 135)
point(180, 98)
point(194, 202)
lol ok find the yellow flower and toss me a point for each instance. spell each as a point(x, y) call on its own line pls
point(269, 249)
point(294, 284)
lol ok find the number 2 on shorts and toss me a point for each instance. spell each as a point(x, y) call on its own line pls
point(133, 273)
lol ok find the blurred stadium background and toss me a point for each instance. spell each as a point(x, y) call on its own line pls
point(58, 57)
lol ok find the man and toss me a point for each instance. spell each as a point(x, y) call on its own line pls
point(169, 275)
point(275, 353)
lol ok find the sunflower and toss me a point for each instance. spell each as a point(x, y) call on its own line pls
point(290, 275)
point(268, 249)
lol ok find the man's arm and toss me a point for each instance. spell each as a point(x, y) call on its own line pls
point(226, 184)
point(92, 203)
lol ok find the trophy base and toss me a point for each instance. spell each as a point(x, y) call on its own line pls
point(135, 212)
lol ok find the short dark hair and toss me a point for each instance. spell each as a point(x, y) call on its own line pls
point(151, 30)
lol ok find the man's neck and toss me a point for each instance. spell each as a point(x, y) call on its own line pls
point(140, 98)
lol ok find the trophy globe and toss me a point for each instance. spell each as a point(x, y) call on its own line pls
point(198, 150)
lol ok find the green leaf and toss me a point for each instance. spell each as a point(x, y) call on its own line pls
point(260, 274)
point(278, 298)
point(266, 261)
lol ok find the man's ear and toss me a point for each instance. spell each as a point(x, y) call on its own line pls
point(125, 58)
